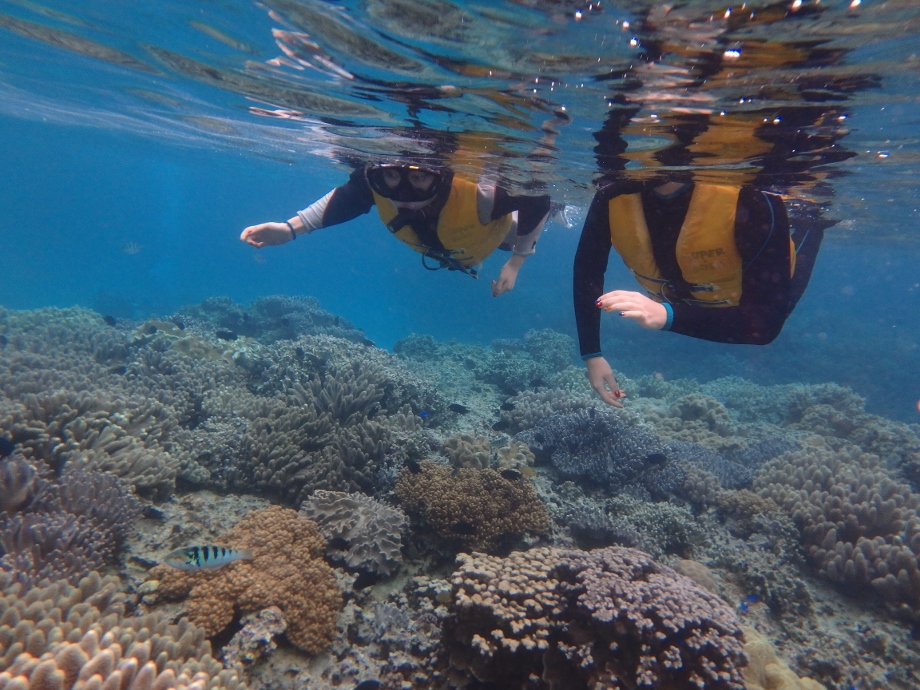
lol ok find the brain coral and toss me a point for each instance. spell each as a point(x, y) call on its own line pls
point(568, 619)
point(859, 524)
point(58, 637)
point(479, 508)
point(370, 531)
point(286, 570)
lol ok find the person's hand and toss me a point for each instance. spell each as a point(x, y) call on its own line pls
point(634, 305)
point(507, 276)
point(603, 381)
point(266, 235)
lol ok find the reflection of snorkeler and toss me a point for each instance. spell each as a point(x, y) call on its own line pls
point(452, 222)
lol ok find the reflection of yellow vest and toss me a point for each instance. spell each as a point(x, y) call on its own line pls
point(459, 229)
point(706, 251)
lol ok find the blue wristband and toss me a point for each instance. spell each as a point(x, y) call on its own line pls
point(670, 320)
point(293, 234)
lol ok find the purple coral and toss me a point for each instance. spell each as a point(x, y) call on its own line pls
point(572, 620)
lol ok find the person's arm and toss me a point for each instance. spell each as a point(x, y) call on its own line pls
point(532, 211)
point(342, 204)
point(762, 238)
point(591, 260)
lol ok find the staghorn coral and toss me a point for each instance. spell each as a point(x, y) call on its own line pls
point(332, 435)
point(286, 570)
point(567, 619)
point(859, 524)
point(466, 450)
point(57, 637)
point(369, 531)
point(480, 509)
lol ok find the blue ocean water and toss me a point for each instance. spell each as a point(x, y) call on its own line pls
point(139, 140)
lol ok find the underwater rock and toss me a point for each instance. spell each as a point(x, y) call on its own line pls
point(255, 638)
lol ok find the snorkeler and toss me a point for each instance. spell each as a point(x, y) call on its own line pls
point(452, 222)
point(716, 262)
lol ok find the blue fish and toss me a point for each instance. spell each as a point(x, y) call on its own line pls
point(204, 557)
point(423, 414)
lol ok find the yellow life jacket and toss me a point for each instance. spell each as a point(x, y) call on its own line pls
point(706, 251)
point(466, 239)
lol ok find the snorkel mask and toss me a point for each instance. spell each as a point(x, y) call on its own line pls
point(404, 183)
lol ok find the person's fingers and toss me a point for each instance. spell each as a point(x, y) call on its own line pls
point(632, 314)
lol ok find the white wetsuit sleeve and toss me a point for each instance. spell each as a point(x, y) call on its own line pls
point(312, 215)
point(525, 245)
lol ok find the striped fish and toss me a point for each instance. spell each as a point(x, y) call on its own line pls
point(204, 557)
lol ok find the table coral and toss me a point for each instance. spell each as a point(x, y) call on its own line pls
point(569, 619)
point(478, 508)
point(286, 570)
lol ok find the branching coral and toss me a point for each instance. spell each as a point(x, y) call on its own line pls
point(611, 618)
point(286, 570)
point(480, 509)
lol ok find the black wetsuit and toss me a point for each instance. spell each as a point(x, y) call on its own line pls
point(768, 293)
point(355, 198)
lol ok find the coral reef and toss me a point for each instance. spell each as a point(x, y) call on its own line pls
point(525, 410)
point(613, 618)
point(256, 637)
point(363, 533)
point(466, 450)
point(286, 570)
point(479, 509)
point(859, 524)
point(267, 319)
point(58, 636)
point(604, 448)
point(72, 526)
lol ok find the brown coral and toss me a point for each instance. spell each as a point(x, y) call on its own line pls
point(612, 618)
point(860, 525)
point(58, 637)
point(286, 570)
point(479, 508)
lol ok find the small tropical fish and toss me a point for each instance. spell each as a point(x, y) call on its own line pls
point(110, 320)
point(368, 685)
point(458, 408)
point(463, 528)
point(423, 414)
point(413, 466)
point(204, 557)
point(131, 248)
point(511, 474)
point(656, 458)
point(507, 406)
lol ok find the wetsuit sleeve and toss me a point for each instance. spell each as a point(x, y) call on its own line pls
point(591, 259)
point(532, 214)
point(762, 238)
point(342, 204)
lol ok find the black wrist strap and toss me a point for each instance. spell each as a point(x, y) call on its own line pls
point(293, 234)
